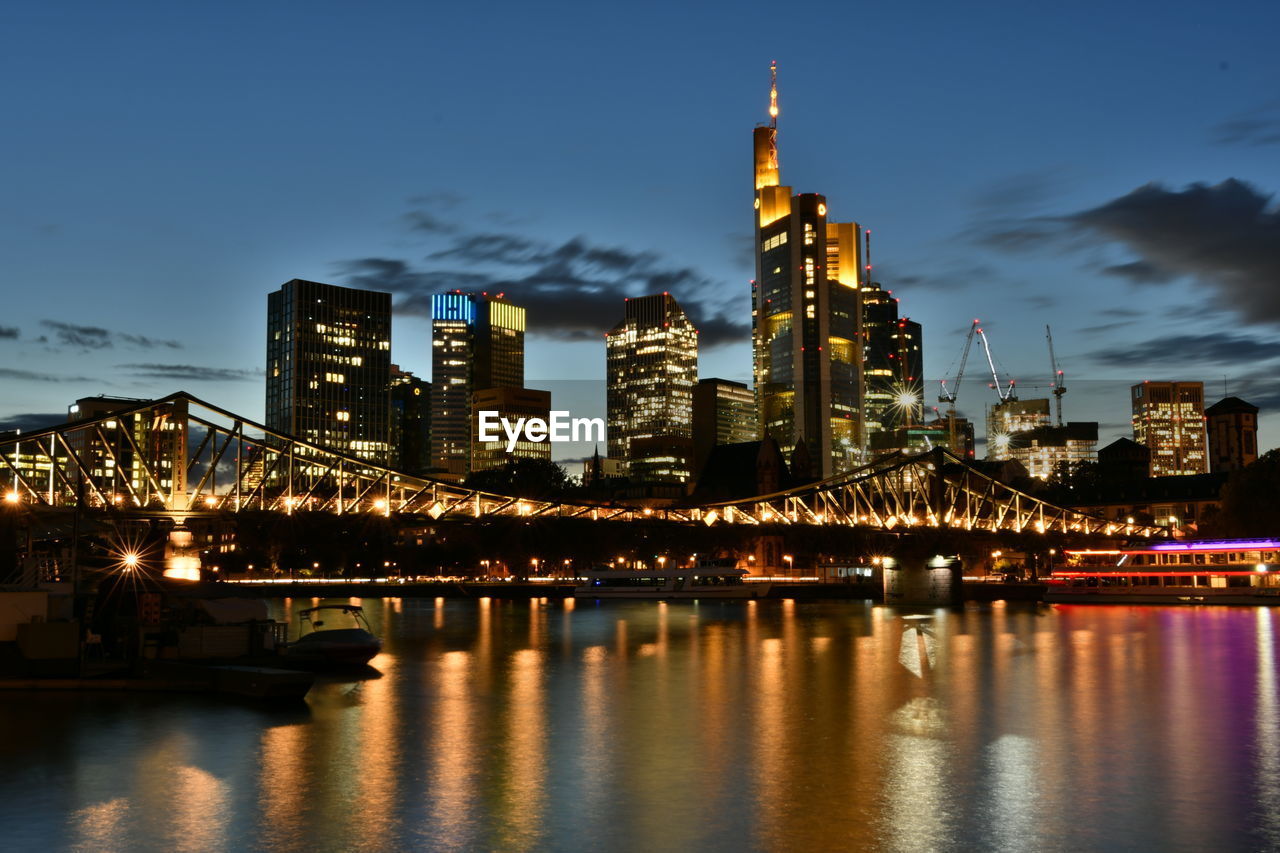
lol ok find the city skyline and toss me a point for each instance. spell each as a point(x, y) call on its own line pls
point(100, 286)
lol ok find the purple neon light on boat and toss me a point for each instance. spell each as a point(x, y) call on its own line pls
point(1220, 545)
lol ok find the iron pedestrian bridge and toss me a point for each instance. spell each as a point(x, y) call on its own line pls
point(179, 456)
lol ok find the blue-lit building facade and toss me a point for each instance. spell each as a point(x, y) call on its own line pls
point(477, 343)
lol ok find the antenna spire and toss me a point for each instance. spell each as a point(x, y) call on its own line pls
point(773, 94)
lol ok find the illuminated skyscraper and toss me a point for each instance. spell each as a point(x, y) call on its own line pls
point(806, 317)
point(477, 343)
point(652, 366)
point(510, 403)
point(329, 366)
point(724, 412)
point(893, 364)
point(1168, 417)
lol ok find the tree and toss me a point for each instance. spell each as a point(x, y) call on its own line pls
point(524, 478)
point(1249, 505)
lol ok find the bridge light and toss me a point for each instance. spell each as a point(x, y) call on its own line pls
point(11, 497)
point(130, 561)
point(211, 502)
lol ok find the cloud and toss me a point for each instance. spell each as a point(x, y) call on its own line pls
point(1226, 236)
point(1256, 128)
point(31, 376)
point(96, 337)
point(9, 333)
point(1104, 327)
point(32, 421)
point(1198, 349)
point(572, 290)
point(189, 373)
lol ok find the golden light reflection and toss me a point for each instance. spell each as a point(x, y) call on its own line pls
point(451, 776)
point(198, 810)
point(101, 826)
point(284, 752)
point(524, 785)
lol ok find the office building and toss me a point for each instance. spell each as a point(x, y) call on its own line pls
point(1233, 434)
point(512, 404)
point(806, 317)
point(651, 366)
point(477, 342)
point(724, 412)
point(410, 422)
point(329, 366)
point(1168, 417)
point(893, 364)
point(1042, 449)
point(1005, 420)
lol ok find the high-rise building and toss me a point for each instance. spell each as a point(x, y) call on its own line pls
point(1233, 434)
point(410, 422)
point(477, 342)
point(329, 366)
point(1043, 449)
point(806, 317)
point(724, 412)
point(1007, 419)
point(1168, 417)
point(652, 366)
point(512, 404)
point(892, 363)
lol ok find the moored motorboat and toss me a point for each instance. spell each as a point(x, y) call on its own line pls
point(349, 643)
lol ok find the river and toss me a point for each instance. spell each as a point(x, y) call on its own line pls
point(772, 725)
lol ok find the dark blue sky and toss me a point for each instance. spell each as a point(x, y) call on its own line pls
point(166, 165)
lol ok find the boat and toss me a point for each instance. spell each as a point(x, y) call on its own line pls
point(1192, 572)
point(348, 643)
point(704, 581)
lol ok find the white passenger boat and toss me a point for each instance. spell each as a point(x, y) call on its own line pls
point(1218, 571)
point(689, 582)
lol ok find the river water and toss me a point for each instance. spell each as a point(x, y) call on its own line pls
point(773, 725)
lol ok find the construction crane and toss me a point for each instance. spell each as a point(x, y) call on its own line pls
point(1058, 381)
point(948, 395)
point(1005, 393)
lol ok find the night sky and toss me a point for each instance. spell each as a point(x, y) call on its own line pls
point(1106, 168)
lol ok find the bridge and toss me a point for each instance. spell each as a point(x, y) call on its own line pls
point(179, 456)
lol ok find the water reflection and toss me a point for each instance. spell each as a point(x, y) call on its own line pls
point(503, 725)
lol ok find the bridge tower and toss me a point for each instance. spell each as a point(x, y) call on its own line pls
point(919, 578)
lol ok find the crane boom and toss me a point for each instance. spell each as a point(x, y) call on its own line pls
point(1058, 378)
point(948, 395)
point(1006, 395)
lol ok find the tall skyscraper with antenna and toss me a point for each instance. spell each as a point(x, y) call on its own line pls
point(806, 315)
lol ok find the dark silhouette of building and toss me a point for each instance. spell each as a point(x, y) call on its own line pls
point(1124, 459)
point(410, 422)
point(1233, 434)
point(329, 366)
